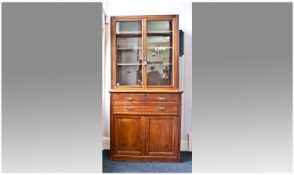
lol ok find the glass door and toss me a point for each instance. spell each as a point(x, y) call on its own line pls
point(129, 53)
point(159, 53)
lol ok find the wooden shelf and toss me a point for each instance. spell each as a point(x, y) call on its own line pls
point(159, 47)
point(159, 33)
point(128, 49)
point(146, 90)
point(129, 34)
point(139, 48)
point(129, 64)
point(158, 62)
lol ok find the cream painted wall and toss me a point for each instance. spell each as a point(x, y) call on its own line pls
point(154, 7)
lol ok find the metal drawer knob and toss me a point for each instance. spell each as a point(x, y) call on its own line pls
point(130, 99)
point(161, 108)
point(129, 108)
point(161, 98)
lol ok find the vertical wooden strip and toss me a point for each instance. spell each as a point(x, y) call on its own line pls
point(179, 119)
point(111, 131)
point(143, 134)
point(147, 133)
point(176, 51)
point(113, 52)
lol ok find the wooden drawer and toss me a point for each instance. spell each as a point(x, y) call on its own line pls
point(162, 98)
point(128, 97)
point(145, 109)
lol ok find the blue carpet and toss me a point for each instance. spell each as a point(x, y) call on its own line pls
point(185, 166)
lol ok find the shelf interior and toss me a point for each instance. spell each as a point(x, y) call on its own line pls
point(129, 64)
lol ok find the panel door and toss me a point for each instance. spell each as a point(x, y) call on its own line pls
point(159, 53)
point(128, 51)
point(129, 135)
point(162, 136)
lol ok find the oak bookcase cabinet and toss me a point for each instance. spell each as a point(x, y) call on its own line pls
point(145, 97)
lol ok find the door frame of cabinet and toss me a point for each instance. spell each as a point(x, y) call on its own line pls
point(144, 19)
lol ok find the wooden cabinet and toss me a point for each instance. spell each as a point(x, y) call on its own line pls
point(145, 97)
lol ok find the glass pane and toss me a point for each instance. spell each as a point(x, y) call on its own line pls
point(159, 25)
point(124, 41)
point(159, 41)
point(128, 54)
point(129, 75)
point(159, 75)
point(128, 57)
point(159, 53)
point(128, 27)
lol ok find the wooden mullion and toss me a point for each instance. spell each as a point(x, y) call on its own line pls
point(113, 52)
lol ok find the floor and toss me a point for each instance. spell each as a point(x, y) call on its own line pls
point(185, 166)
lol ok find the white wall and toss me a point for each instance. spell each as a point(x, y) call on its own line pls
point(154, 7)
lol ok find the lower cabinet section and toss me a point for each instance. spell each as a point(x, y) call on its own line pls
point(145, 126)
point(145, 138)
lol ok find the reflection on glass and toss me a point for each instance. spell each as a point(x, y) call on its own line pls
point(128, 57)
point(128, 27)
point(129, 75)
point(159, 41)
point(124, 42)
point(159, 75)
point(128, 54)
point(159, 25)
point(159, 53)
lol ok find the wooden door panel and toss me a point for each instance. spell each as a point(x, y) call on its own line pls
point(129, 137)
point(162, 136)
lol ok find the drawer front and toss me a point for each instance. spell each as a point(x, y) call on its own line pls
point(162, 98)
point(146, 109)
point(128, 98)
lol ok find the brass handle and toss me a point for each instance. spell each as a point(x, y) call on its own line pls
point(130, 99)
point(161, 98)
point(145, 62)
point(129, 108)
point(161, 108)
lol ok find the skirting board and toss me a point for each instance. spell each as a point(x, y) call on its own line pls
point(184, 144)
point(190, 141)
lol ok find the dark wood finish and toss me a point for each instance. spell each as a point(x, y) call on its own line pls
point(128, 138)
point(145, 122)
point(145, 127)
point(129, 97)
point(162, 97)
point(162, 136)
point(146, 110)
